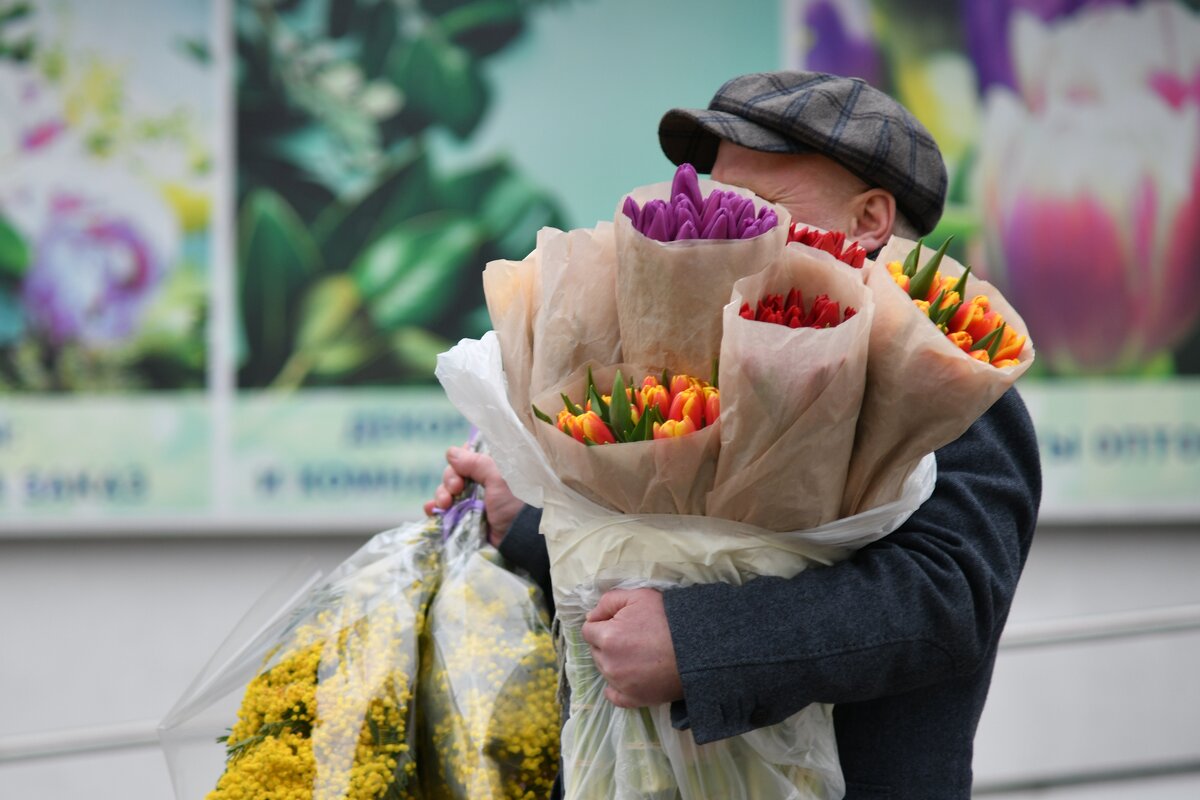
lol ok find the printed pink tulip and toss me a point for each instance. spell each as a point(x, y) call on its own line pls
point(1098, 203)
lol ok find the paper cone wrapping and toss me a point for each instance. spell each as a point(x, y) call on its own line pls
point(554, 311)
point(922, 391)
point(790, 397)
point(513, 293)
point(670, 295)
point(663, 476)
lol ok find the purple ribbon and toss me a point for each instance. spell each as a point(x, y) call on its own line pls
point(452, 516)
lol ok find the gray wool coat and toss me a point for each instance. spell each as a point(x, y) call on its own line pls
point(901, 637)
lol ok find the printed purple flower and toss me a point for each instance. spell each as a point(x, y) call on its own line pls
point(838, 44)
point(987, 22)
point(101, 243)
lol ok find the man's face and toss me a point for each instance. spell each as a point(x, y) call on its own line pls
point(816, 190)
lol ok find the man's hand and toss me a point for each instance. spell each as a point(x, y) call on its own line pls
point(631, 645)
point(499, 503)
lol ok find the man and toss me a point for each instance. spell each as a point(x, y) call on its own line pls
point(901, 637)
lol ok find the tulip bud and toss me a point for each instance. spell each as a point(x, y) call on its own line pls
point(673, 428)
point(594, 429)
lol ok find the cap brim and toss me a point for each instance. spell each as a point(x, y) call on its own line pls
point(692, 135)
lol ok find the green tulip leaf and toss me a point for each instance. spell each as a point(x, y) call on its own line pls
point(410, 274)
point(440, 79)
point(15, 255)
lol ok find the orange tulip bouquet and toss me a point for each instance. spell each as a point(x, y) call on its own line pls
point(700, 391)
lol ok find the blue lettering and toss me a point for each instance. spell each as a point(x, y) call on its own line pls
point(381, 427)
point(1147, 443)
point(128, 485)
point(340, 479)
point(1061, 446)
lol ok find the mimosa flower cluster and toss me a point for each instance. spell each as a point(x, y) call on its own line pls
point(329, 720)
point(423, 669)
point(660, 408)
point(971, 325)
point(490, 692)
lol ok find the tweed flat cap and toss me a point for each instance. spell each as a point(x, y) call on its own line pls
point(846, 119)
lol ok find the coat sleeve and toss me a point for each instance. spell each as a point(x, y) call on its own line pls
point(920, 606)
point(525, 548)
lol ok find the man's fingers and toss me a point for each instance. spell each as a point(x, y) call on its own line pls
point(618, 699)
point(610, 603)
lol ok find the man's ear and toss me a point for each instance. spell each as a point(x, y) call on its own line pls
point(874, 215)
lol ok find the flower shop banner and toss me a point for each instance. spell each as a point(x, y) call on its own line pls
point(234, 235)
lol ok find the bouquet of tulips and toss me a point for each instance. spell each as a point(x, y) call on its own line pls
point(715, 409)
point(421, 667)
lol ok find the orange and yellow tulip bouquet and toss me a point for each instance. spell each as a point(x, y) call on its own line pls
point(701, 391)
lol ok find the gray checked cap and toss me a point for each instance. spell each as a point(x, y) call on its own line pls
point(846, 119)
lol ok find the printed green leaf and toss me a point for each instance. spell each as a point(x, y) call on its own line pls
point(348, 227)
point(442, 80)
point(410, 274)
point(328, 307)
point(276, 259)
point(14, 252)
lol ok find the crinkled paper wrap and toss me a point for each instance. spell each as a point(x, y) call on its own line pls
point(670, 295)
point(790, 397)
point(555, 310)
point(924, 391)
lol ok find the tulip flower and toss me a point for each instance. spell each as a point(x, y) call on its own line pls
point(594, 429)
point(674, 427)
point(789, 311)
point(635, 415)
point(688, 404)
point(972, 326)
point(712, 404)
point(690, 215)
point(832, 242)
point(1099, 203)
point(654, 396)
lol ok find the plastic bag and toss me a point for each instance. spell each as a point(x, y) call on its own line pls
point(327, 689)
point(420, 668)
point(489, 680)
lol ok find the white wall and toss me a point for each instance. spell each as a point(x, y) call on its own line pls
point(99, 637)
